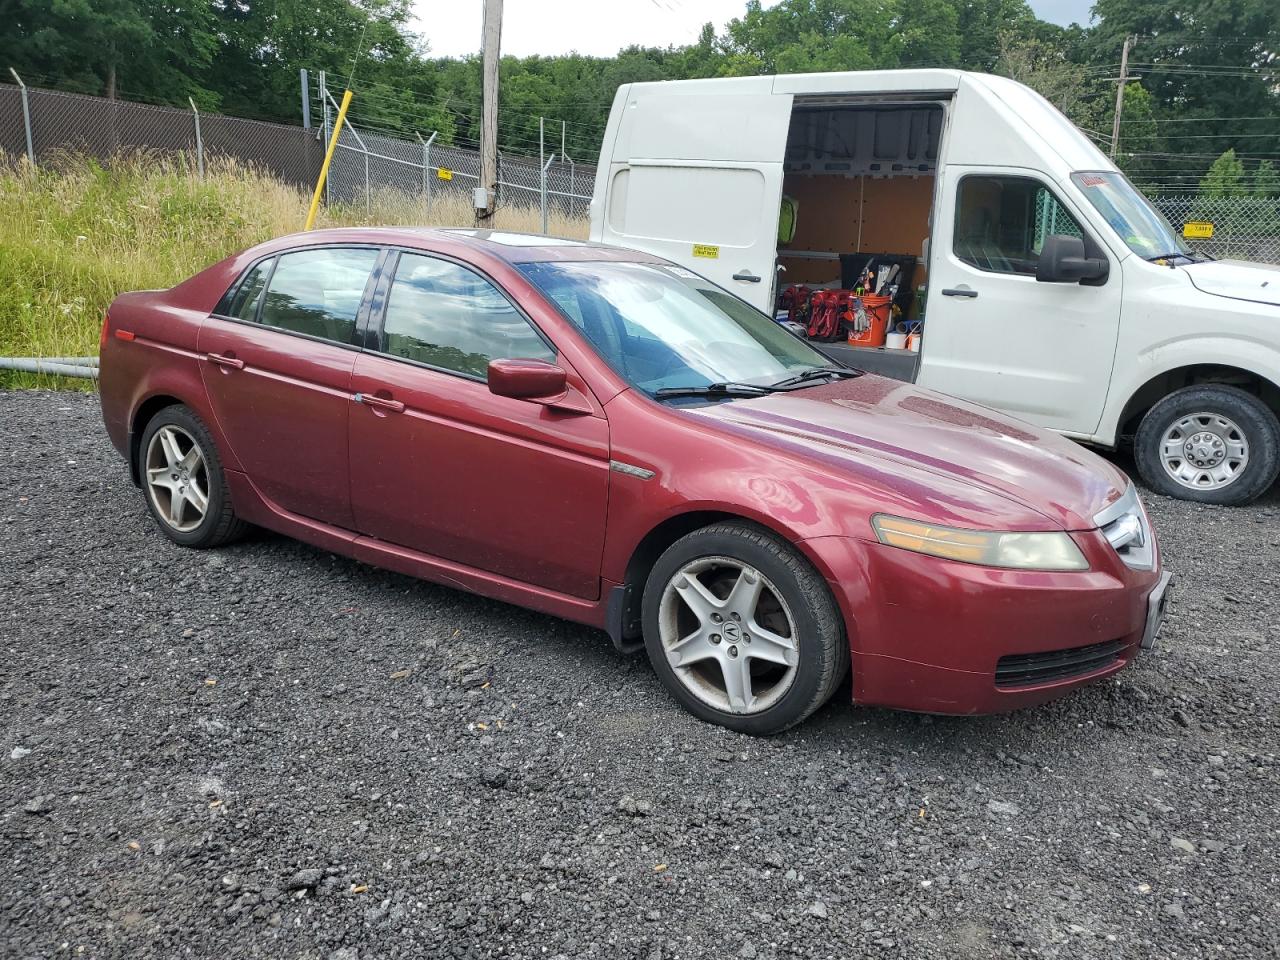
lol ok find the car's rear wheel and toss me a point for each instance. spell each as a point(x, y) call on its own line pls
point(1212, 443)
point(742, 630)
point(183, 482)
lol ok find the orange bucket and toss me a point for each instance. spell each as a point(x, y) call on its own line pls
point(877, 309)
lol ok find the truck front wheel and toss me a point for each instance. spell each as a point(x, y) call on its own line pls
point(1211, 443)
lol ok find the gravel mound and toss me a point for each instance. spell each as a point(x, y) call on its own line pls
point(270, 751)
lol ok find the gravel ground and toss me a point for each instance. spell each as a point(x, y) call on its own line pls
point(270, 751)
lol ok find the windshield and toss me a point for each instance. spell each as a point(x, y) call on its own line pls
point(1141, 226)
point(662, 326)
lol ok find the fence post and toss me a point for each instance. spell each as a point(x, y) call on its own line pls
point(426, 170)
point(306, 98)
point(542, 191)
point(324, 107)
point(26, 116)
point(199, 140)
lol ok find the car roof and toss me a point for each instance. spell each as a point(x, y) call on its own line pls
point(509, 246)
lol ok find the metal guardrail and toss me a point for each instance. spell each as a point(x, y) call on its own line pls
point(83, 367)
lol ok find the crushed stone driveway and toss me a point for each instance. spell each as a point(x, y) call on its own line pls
point(270, 751)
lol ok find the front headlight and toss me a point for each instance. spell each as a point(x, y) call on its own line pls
point(1019, 551)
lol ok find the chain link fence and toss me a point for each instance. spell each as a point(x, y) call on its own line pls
point(1244, 228)
point(42, 124)
point(368, 161)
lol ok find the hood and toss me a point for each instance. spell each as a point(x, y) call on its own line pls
point(923, 433)
point(1257, 282)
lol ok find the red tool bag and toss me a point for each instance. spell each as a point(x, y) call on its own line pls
point(825, 314)
point(796, 301)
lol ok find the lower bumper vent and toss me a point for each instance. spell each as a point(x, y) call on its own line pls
point(1029, 669)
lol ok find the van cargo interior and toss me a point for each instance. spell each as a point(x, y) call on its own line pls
point(861, 178)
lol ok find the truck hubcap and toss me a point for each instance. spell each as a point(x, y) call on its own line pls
point(1204, 451)
point(728, 635)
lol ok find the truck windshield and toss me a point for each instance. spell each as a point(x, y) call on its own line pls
point(665, 328)
point(1141, 226)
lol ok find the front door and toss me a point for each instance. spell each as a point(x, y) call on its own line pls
point(277, 359)
point(996, 335)
point(442, 466)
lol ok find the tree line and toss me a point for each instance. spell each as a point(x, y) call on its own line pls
point(1205, 84)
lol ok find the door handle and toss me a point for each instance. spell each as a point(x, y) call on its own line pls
point(746, 275)
point(960, 292)
point(395, 406)
point(222, 361)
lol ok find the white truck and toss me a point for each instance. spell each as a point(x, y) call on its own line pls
point(1055, 291)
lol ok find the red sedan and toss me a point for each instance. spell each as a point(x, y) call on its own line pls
point(601, 435)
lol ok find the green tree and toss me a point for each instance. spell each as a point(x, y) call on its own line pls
point(1225, 178)
point(1209, 62)
point(1266, 180)
point(145, 49)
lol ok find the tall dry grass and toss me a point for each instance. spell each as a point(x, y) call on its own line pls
point(76, 234)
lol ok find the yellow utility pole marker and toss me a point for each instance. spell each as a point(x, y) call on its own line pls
point(328, 158)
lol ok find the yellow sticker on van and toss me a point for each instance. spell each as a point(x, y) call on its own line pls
point(1197, 230)
point(444, 173)
point(707, 251)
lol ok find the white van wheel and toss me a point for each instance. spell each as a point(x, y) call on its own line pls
point(1212, 443)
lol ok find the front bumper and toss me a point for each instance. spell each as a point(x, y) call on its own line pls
point(929, 635)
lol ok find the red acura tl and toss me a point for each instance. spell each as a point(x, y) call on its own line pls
point(603, 436)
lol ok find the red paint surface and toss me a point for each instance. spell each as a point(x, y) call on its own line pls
point(514, 499)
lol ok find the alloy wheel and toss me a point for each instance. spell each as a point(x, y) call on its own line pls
point(177, 478)
point(1204, 451)
point(728, 635)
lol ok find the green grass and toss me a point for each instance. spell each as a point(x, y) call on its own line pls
point(76, 234)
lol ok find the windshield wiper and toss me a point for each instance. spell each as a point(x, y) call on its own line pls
point(815, 374)
point(726, 389)
point(1168, 256)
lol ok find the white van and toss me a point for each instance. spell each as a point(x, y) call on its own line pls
point(1055, 291)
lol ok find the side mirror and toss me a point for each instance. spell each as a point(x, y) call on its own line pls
point(1063, 260)
point(527, 379)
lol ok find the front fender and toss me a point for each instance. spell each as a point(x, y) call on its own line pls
point(1248, 351)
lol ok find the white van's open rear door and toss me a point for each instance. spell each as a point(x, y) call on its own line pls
point(697, 178)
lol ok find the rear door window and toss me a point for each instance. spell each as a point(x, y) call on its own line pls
point(446, 316)
point(242, 302)
point(318, 292)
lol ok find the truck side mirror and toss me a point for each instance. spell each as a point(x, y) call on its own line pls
point(1063, 260)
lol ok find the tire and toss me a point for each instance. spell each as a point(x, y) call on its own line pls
point(1240, 449)
point(170, 476)
point(757, 584)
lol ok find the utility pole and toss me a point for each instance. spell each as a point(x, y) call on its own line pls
point(489, 105)
point(1124, 78)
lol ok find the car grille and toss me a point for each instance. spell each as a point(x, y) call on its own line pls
point(1028, 669)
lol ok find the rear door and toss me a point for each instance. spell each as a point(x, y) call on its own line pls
point(996, 335)
point(696, 177)
point(278, 356)
point(442, 466)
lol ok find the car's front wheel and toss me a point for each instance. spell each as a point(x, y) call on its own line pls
point(183, 482)
point(742, 630)
point(1211, 443)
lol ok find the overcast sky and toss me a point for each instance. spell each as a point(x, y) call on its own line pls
point(603, 27)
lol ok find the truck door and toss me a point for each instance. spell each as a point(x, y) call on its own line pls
point(996, 335)
point(696, 177)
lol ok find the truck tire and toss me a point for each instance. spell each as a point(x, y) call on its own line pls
point(742, 630)
point(1211, 443)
